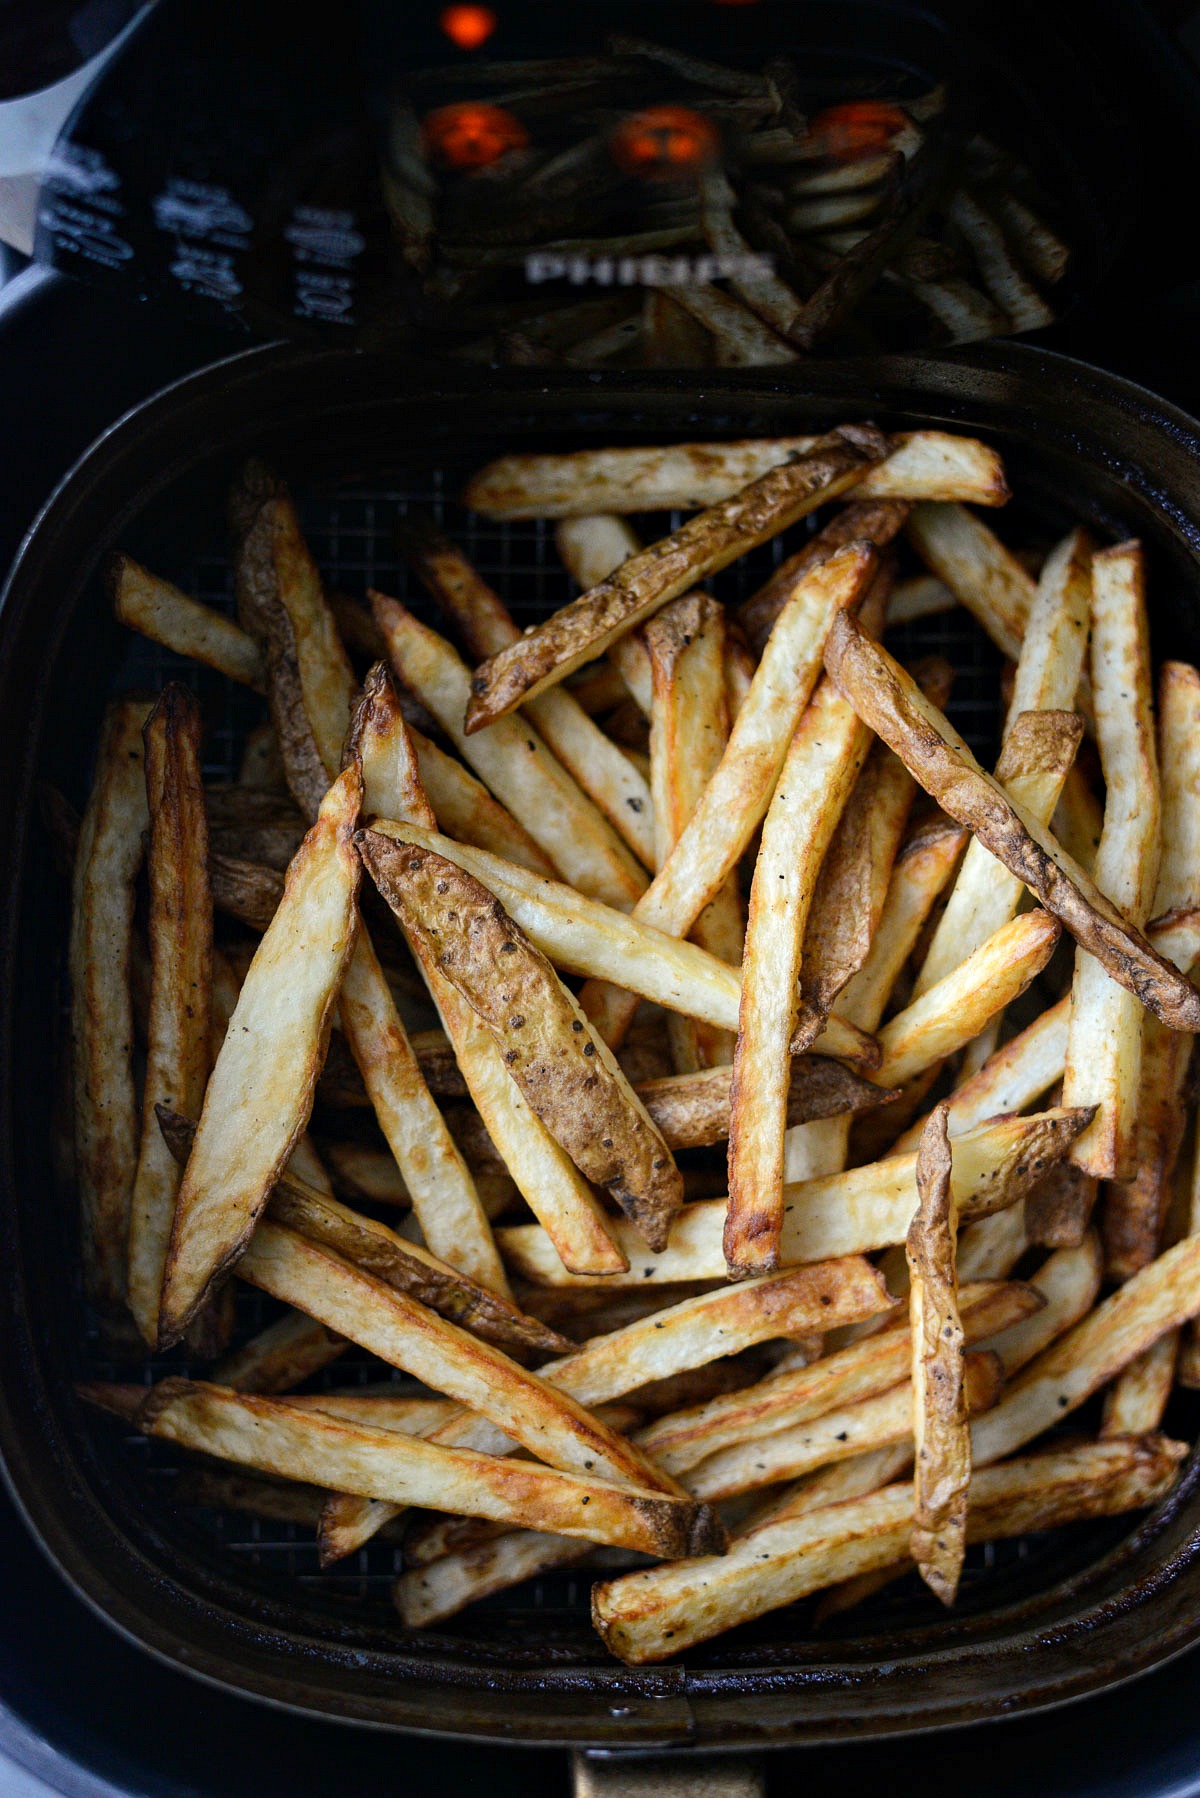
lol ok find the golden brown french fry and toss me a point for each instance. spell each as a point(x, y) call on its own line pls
point(261, 1091)
point(874, 522)
point(165, 615)
point(928, 465)
point(1023, 1070)
point(406, 1334)
point(567, 1075)
point(949, 1014)
point(284, 1355)
point(850, 1213)
point(1059, 1209)
point(1159, 1298)
point(736, 798)
point(689, 728)
point(591, 549)
point(555, 1190)
point(106, 1122)
point(1135, 1209)
point(895, 708)
point(834, 1436)
point(822, 764)
point(641, 586)
point(426, 1595)
point(1068, 1283)
point(1104, 1042)
point(1142, 1390)
point(465, 809)
point(941, 1438)
point(844, 1378)
point(923, 866)
point(485, 626)
point(283, 1439)
point(983, 576)
point(1040, 741)
point(651, 1616)
point(515, 763)
point(1079, 819)
point(179, 927)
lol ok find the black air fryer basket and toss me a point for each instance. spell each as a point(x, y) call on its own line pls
point(244, 1605)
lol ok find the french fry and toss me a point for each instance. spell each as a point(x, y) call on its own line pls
point(465, 809)
point(379, 1251)
point(261, 1091)
point(486, 626)
point(161, 612)
point(1159, 1298)
point(650, 1616)
point(1104, 1042)
point(583, 936)
point(365, 1172)
point(592, 548)
point(949, 1014)
point(1135, 1209)
point(1059, 1209)
point(427, 1595)
point(515, 763)
point(740, 338)
point(179, 1035)
point(894, 707)
point(284, 1355)
point(107, 860)
point(1014, 1077)
point(644, 584)
point(921, 596)
point(850, 1213)
point(1001, 276)
point(826, 755)
point(403, 1332)
point(941, 1438)
point(925, 465)
point(546, 1176)
point(692, 1110)
point(567, 1075)
point(843, 1378)
point(689, 728)
point(874, 522)
point(275, 1501)
point(765, 293)
point(736, 798)
point(280, 1438)
point(922, 868)
point(1142, 1390)
point(1079, 819)
point(1040, 741)
point(836, 1435)
point(983, 576)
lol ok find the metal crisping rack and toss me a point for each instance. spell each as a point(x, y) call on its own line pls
point(352, 537)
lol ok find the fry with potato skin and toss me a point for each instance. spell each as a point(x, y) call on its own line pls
point(736, 798)
point(689, 728)
point(893, 706)
point(645, 583)
point(981, 573)
point(941, 1438)
point(553, 1186)
point(485, 626)
point(874, 522)
point(850, 1213)
point(260, 1095)
point(925, 465)
point(646, 1617)
point(161, 612)
point(816, 780)
point(566, 1074)
point(692, 1110)
point(178, 1049)
point(107, 860)
point(1104, 1042)
point(922, 868)
point(284, 1439)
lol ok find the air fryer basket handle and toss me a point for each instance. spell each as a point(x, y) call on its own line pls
point(678, 1775)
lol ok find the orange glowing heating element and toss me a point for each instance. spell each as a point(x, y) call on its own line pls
point(857, 128)
point(472, 135)
point(468, 26)
point(665, 143)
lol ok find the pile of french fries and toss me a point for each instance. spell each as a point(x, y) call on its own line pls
point(538, 930)
point(809, 232)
